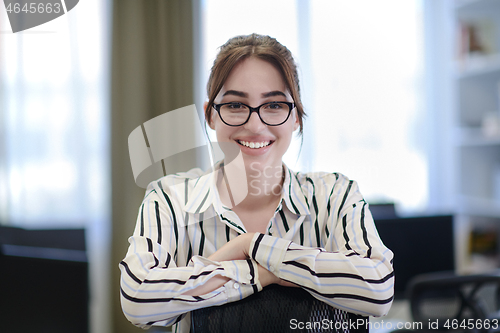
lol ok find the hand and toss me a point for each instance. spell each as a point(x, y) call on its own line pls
point(236, 249)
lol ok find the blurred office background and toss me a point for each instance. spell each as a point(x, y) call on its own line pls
point(402, 96)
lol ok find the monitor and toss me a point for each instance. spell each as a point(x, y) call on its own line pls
point(422, 244)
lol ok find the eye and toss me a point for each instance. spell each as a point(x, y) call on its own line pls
point(275, 106)
point(234, 106)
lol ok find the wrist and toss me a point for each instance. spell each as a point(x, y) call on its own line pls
point(266, 277)
point(247, 243)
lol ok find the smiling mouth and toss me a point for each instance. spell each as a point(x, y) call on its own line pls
point(254, 145)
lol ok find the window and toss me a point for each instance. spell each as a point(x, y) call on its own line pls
point(54, 136)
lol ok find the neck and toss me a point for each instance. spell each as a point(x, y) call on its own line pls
point(263, 185)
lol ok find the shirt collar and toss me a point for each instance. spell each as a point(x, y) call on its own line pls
point(204, 194)
point(293, 195)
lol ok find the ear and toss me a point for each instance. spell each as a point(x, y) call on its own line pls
point(211, 120)
point(296, 124)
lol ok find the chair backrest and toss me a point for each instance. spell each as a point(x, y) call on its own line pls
point(404, 235)
point(277, 309)
point(445, 301)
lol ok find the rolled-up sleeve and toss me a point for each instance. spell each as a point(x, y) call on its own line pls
point(353, 271)
point(153, 286)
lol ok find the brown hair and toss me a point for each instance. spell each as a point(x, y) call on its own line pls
point(262, 47)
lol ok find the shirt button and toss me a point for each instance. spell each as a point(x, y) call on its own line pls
point(249, 276)
point(271, 230)
point(271, 268)
point(236, 286)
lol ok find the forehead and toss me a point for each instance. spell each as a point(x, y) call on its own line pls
point(254, 74)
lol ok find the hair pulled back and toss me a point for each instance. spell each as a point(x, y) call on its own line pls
point(262, 47)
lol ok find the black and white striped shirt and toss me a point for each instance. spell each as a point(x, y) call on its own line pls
point(321, 237)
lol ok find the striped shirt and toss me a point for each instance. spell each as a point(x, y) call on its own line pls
point(321, 237)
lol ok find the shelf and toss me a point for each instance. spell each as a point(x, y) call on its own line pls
point(484, 207)
point(477, 264)
point(474, 137)
point(476, 5)
point(477, 66)
point(474, 82)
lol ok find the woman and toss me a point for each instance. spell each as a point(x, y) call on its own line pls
point(191, 250)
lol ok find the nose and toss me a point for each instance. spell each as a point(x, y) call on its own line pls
point(254, 124)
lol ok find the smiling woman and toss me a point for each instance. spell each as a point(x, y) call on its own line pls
point(345, 50)
point(262, 145)
point(195, 246)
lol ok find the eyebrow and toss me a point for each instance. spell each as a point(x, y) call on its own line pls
point(243, 94)
point(235, 93)
point(274, 93)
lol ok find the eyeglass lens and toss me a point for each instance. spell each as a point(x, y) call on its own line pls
point(271, 113)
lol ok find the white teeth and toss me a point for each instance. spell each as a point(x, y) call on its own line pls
point(254, 144)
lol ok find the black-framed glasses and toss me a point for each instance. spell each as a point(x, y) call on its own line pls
point(270, 113)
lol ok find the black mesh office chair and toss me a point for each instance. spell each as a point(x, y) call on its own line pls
point(276, 309)
point(450, 302)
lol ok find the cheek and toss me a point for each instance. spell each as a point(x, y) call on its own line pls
point(222, 131)
point(286, 134)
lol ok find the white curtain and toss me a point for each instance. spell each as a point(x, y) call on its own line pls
point(54, 133)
